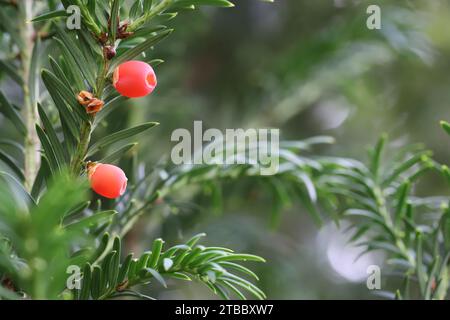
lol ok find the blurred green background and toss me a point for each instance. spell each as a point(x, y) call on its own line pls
point(308, 68)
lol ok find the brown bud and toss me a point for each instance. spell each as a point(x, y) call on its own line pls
point(122, 31)
point(8, 284)
point(109, 52)
point(124, 35)
point(123, 26)
point(90, 168)
point(122, 286)
point(95, 106)
point(103, 38)
point(85, 97)
point(92, 104)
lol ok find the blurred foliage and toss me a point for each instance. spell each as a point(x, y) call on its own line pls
point(310, 68)
point(323, 72)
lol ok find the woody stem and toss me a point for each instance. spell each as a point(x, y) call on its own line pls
point(32, 143)
point(77, 162)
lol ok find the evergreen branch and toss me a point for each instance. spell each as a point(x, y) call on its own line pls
point(209, 265)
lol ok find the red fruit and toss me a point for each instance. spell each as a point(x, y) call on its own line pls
point(134, 79)
point(107, 180)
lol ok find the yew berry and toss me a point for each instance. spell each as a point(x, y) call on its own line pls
point(107, 180)
point(134, 79)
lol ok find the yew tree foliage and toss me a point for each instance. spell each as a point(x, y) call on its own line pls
point(48, 223)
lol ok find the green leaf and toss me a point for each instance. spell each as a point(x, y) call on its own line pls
point(216, 290)
point(117, 245)
point(8, 110)
point(401, 202)
point(310, 206)
point(244, 284)
point(33, 81)
point(11, 71)
point(93, 220)
point(183, 7)
point(78, 208)
point(179, 276)
point(109, 269)
point(431, 278)
point(216, 3)
point(235, 290)
point(240, 268)
point(96, 283)
point(64, 192)
point(406, 164)
point(239, 257)
point(445, 225)
point(48, 149)
point(69, 140)
point(41, 177)
point(446, 126)
point(136, 9)
point(115, 264)
point(59, 73)
point(52, 137)
point(372, 217)
point(155, 62)
point(421, 272)
point(132, 269)
point(195, 239)
point(180, 258)
point(156, 252)
point(142, 262)
point(377, 154)
point(60, 95)
point(119, 136)
point(124, 269)
point(18, 186)
point(86, 283)
point(137, 50)
point(190, 257)
point(133, 294)
point(205, 257)
point(90, 46)
point(71, 66)
point(167, 264)
point(155, 275)
point(116, 155)
point(173, 250)
point(50, 15)
point(114, 19)
point(71, 45)
point(100, 14)
point(147, 5)
point(108, 108)
point(91, 5)
point(12, 144)
point(102, 246)
point(144, 32)
point(309, 185)
point(12, 164)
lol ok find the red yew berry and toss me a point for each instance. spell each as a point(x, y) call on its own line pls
point(134, 79)
point(107, 180)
